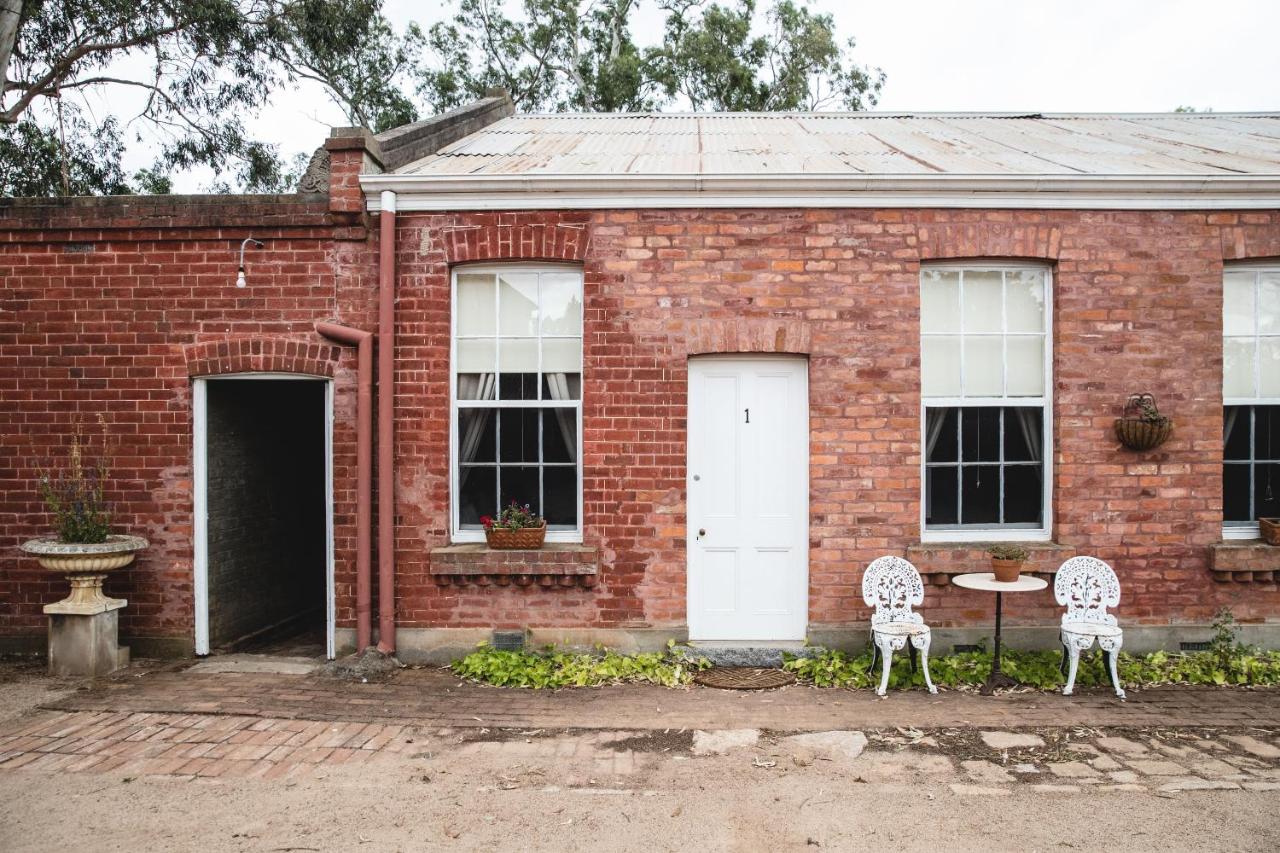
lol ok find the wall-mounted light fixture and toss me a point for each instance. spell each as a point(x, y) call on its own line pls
point(240, 282)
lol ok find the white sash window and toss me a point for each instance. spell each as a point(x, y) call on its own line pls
point(985, 366)
point(516, 428)
point(1251, 397)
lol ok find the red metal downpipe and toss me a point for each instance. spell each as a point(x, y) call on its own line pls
point(363, 342)
point(386, 425)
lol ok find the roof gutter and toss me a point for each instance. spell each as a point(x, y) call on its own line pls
point(534, 191)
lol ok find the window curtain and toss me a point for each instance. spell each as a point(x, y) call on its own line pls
point(933, 421)
point(1031, 436)
point(1229, 424)
point(474, 386)
point(564, 386)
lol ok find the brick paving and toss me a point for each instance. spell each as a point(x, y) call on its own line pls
point(433, 697)
point(228, 726)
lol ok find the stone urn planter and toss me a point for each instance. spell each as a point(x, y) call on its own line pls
point(84, 626)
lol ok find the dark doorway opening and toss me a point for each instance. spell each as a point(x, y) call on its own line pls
point(265, 446)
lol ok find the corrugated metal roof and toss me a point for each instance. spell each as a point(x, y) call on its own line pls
point(1147, 144)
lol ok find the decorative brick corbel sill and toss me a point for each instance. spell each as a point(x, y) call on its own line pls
point(938, 561)
point(554, 565)
point(1246, 561)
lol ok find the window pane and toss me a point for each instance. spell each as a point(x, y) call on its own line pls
point(520, 484)
point(1235, 432)
point(1269, 303)
point(1023, 434)
point(940, 366)
point(560, 495)
point(475, 304)
point(559, 435)
point(477, 435)
point(1024, 300)
point(940, 496)
point(941, 435)
point(518, 304)
point(561, 304)
point(1235, 492)
point(1026, 366)
point(981, 434)
point(1266, 494)
point(476, 359)
point(1267, 431)
point(1237, 303)
point(981, 504)
point(477, 494)
point(939, 302)
point(983, 367)
point(562, 355)
point(1237, 367)
point(1023, 494)
point(983, 298)
point(518, 364)
point(562, 386)
point(1269, 367)
point(518, 438)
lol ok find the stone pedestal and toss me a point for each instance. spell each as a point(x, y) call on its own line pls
point(84, 626)
point(85, 644)
point(84, 630)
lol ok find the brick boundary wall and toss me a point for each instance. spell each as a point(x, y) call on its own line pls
point(107, 307)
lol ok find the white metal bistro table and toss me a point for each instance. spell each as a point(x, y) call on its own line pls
point(987, 582)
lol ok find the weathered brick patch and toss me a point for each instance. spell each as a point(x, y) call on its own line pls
point(135, 744)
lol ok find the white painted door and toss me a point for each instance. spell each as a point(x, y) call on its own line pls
point(748, 437)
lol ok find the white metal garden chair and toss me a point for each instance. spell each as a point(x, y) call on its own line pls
point(1088, 586)
point(893, 586)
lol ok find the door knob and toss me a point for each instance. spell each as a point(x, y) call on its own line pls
point(702, 531)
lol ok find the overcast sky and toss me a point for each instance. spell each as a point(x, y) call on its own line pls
point(998, 55)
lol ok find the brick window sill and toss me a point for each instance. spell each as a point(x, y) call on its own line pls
point(554, 565)
point(1244, 561)
point(939, 561)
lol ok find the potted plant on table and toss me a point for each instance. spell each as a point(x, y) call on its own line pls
point(1006, 561)
point(516, 528)
point(83, 547)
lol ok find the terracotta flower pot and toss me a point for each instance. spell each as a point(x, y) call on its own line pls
point(1270, 528)
point(1006, 571)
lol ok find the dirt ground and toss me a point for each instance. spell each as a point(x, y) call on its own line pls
point(635, 790)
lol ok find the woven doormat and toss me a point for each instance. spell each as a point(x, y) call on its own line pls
point(743, 678)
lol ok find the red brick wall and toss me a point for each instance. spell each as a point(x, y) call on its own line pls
point(107, 306)
point(1137, 307)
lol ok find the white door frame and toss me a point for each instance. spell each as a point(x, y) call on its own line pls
point(200, 487)
point(691, 522)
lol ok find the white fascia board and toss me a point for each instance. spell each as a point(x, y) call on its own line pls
point(1098, 192)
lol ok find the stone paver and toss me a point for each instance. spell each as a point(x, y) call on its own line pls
point(1011, 740)
point(1254, 746)
point(1072, 770)
point(721, 741)
point(985, 772)
point(831, 745)
point(1152, 767)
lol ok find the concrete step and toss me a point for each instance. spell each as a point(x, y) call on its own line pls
point(749, 654)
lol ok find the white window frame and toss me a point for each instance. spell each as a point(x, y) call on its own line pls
point(1250, 529)
point(457, 533)
point(1044, 533)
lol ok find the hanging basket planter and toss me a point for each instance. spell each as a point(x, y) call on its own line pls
point(1141, 426)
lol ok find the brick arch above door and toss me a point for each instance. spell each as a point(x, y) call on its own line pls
point(260, 355)
point(747, 335)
